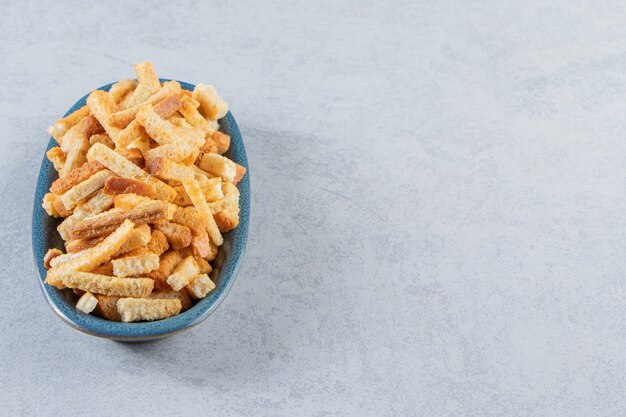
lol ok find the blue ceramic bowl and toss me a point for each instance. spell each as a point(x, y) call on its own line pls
point(45, 236)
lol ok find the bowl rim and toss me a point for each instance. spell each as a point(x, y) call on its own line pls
point(143, 331)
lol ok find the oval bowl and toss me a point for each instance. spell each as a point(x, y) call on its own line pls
point(45, 236)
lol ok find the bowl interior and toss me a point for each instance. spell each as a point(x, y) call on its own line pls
point(45, 236)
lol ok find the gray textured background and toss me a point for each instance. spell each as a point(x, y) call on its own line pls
point(438, 209)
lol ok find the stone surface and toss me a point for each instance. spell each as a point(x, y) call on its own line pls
point(437, 214)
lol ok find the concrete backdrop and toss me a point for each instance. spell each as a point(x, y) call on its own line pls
point(438, 208)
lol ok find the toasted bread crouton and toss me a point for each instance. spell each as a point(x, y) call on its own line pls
point(168, 262)
point(239, 174)
point(75, 146)
point(203, 265)
point(226, 220)
point(199, 286)
point(139, 237)
point(107, 307)
point(134, 266)
point(50, 255)
point(81, 191)
point(61, 126)
point(102, 106)
point(104, 269)
point(195, 194)
point(183, 273)
point(120, 185)
point(121, 89)
point(201, 244)
point(90, 258)
point(106, 222)
point(102, 138)
point(106, 285)
point(87, 303)
point(96, 204)
point(193, 116)
point(182, 296)
point(138, 309)
point(57, 157)
point(122, 118)
point(48, 204)
point(219, 165)
point(158, 243)
point(75, 177)
point(221, 141)
point(124, 168)
point(212, 106)
point(134, 155)
point(60, 208)
point(177, 235)
point(91, 127)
